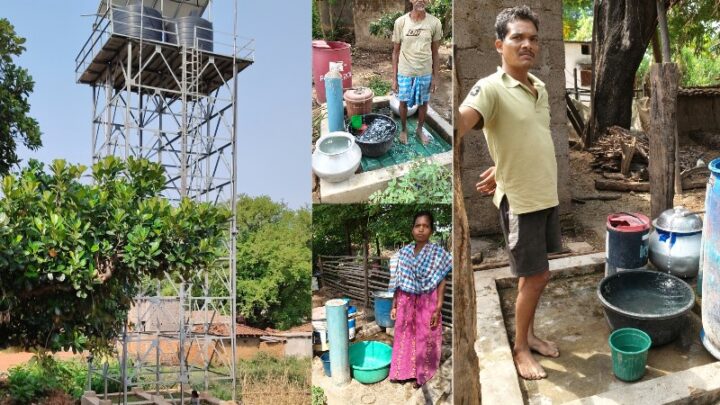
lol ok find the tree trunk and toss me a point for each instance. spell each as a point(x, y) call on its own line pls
point(623, 31)
point(466, 366)
point(664, 80)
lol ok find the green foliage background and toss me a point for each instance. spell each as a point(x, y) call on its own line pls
point(273, 262)
point(340, 229)
point(16, 84)
point(694, 28)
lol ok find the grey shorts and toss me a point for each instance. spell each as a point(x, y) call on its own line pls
point(529, 238)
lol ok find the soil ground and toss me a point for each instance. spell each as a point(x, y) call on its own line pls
point(367, 64)
point(570, 314)
point(384, 392)
point(10, 358)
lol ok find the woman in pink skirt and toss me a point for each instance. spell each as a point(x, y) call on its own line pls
point(417, 278)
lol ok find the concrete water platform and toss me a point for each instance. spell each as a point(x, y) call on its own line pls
point(571, 315)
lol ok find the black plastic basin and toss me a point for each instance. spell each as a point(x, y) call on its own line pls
point(656, 303)
point(378, 137)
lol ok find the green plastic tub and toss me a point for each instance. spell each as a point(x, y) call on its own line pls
point(629, 347)
point(370, 361)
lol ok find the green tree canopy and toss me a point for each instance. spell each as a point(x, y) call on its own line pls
point(273, 262)
point(341, 229)
point(73, 254)
point(15, 88)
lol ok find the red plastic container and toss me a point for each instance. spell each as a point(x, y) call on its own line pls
point(324, 52)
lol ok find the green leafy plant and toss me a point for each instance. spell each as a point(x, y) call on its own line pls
point(273, 272)
point(73, 254)
point(42, 375)
point(318, 396)
point(383, 26)
point(442, 9)
point(426, 182)
point(379, 86)
point(16, 84)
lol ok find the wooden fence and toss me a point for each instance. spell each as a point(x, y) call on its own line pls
point(357, 277)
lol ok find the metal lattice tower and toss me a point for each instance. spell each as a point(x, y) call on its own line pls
point(175, 105)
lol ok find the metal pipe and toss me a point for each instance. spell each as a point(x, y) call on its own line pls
point(337, 324)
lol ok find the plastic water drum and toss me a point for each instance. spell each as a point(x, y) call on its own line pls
point(711, 261)
point(319, 325)
point(626, 242)
point(137, 21)
point(324, 52)
point(383, 305)
point(352, 312)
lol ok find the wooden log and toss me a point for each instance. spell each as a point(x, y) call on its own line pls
point(663, 124)
point(614, 176)
point(617, 185)
point(628, 151)
point(597, 197)
point(466, 365)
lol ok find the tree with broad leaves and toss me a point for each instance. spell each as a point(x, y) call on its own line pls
point(273, 266)
point(73, 255)
point(15, 87)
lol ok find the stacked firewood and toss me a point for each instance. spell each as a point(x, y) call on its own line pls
point(622, 156)
point(621, 151)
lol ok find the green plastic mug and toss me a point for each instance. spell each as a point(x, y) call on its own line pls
point(356, 121)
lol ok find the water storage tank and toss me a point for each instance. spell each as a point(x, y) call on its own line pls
point(711, 262)
point(129, 20)
point(183, 31)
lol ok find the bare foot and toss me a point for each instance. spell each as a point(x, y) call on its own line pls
point(403, 137)
point(421, 134)
point(544, 347)
point(527, 366)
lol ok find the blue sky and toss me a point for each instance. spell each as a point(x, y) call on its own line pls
point(274, 100)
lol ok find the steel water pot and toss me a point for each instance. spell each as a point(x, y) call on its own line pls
point(675, 242)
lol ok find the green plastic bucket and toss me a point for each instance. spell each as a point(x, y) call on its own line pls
point(629, 347)
point(370, 361)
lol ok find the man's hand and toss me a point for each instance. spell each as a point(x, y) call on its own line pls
point(393, 313)
point(433, 80)
point(487, 184)
point(435, 317)
point(394, 87)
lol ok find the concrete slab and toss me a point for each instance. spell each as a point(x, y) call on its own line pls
point(359, 187)
point(681, 372)
point(697, 386)
point(499, 381)
point(562, 267)
point(571, 315)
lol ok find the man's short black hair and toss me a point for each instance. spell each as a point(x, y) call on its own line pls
point(513, 14)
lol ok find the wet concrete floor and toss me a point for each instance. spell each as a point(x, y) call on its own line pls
point(571, 315)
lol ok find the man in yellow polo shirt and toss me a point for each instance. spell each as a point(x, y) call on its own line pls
point(511, 106)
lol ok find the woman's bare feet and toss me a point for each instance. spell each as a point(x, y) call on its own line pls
point(544, 347)
point(403, 137)
point(527, 366)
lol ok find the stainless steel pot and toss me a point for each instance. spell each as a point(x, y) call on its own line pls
point(675, 242)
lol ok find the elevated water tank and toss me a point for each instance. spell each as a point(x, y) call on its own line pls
point(183, 31)
point(132, 19)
